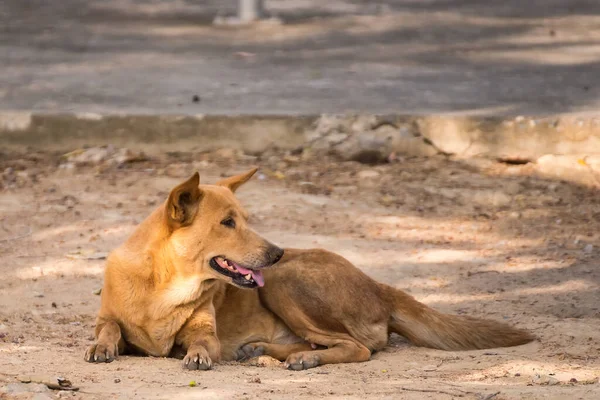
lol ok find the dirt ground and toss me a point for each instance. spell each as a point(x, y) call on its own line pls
point(479, 238)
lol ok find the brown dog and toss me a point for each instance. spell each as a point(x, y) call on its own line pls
point(159, 285)
point(166, 292)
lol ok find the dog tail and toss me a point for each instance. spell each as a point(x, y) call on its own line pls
point(426, 327)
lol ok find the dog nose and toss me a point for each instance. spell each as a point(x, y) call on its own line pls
point(275, 254)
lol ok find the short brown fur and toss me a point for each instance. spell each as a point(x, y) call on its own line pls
point(160, 297)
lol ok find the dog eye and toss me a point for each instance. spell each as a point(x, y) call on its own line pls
point(228, 222)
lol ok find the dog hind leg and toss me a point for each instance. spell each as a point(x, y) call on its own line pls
point(278, 351)
point(340, 349)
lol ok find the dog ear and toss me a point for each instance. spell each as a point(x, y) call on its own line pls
point(183, 202)
point(235, 182)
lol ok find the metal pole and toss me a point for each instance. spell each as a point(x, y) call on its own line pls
point(250, 10)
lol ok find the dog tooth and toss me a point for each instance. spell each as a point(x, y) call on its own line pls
point(248, 277)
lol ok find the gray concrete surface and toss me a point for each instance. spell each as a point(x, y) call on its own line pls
point(462, 57)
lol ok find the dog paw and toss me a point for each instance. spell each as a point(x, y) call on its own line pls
point(300, 361)
point(99, 353)
point(250, 350)
point(197, 359)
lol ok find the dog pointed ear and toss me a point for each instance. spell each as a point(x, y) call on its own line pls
point(183, 202)
point(235, 182)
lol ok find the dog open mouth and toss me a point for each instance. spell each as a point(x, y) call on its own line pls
point(241, 276)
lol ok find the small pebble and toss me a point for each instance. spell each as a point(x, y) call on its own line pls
point(545, 380)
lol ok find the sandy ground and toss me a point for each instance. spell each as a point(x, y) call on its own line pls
point(478, 238)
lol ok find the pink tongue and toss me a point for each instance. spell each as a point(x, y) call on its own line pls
point(256, 275)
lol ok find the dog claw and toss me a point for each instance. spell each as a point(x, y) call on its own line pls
point(197, 361)
point(300, 361)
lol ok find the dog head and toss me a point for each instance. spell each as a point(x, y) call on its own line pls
point(209, 233)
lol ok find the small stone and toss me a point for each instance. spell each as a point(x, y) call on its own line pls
point(515, 215)
point(588, 248)
point(545, 380)
point(54, 305)
point(117, 380)
point(573, 380)
point(264, 361)
point(254, 379)
point(97, 292)
point(429, 368)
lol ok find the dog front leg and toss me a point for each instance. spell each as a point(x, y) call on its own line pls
point(199, 338)
point(109, 343)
